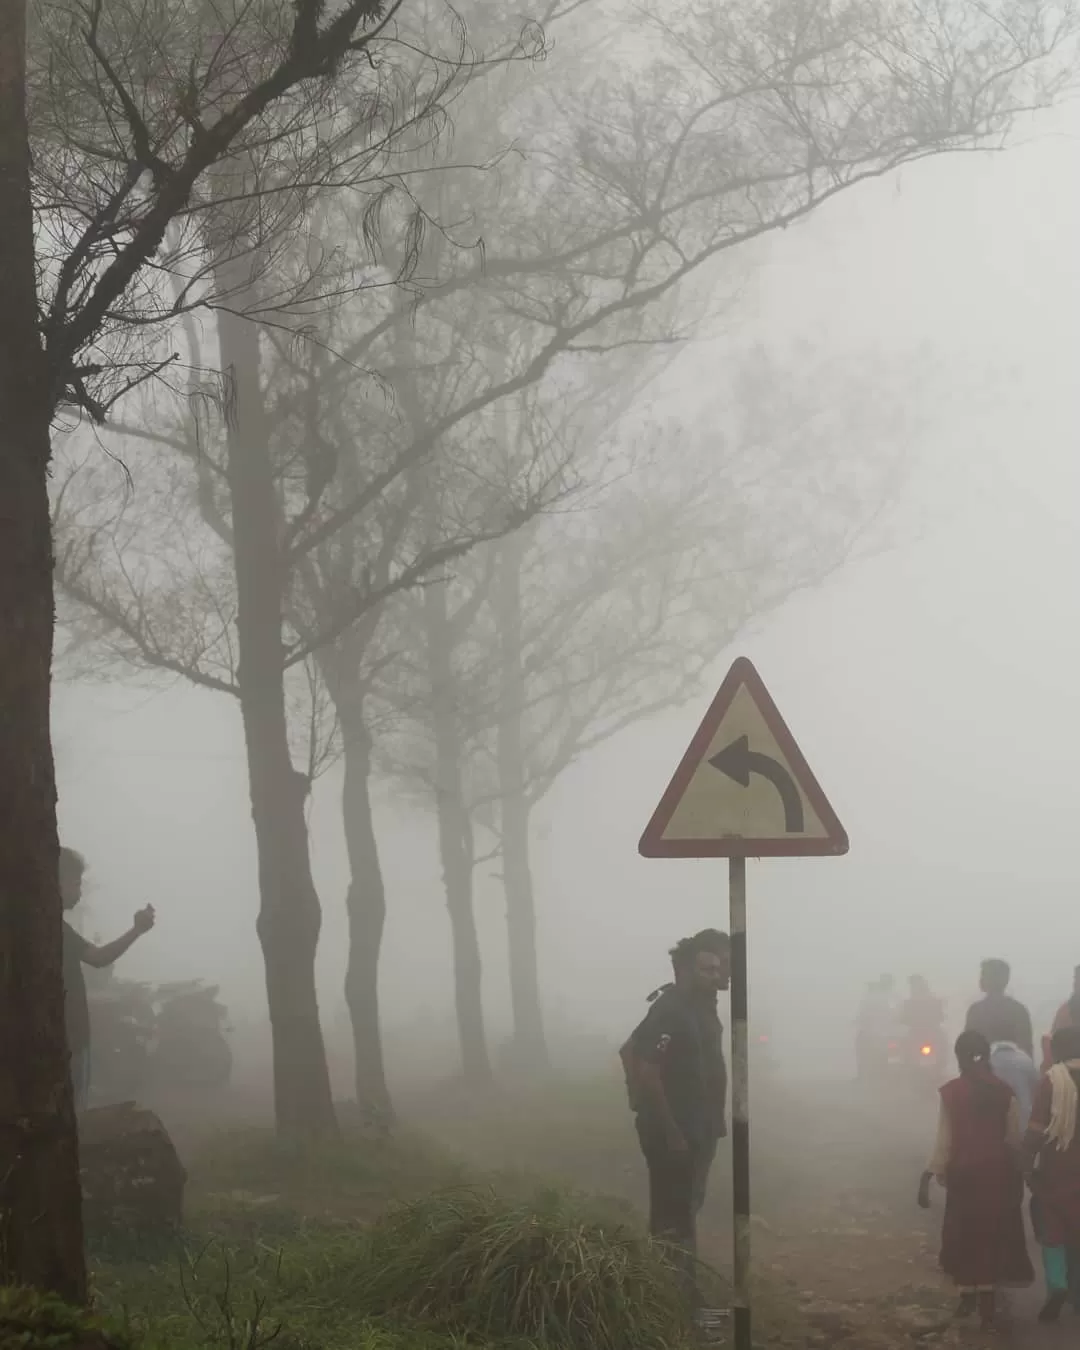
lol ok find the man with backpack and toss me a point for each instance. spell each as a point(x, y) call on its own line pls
point(676, 1080)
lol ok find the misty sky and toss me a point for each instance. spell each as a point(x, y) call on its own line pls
point(933, 686)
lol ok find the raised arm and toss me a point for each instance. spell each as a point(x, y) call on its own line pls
point(107, 953)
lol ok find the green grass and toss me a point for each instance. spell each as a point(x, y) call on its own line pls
point(357, 1177)
point(237, 1294)
point(397, 1245)
point(547, 1270)
point(384, 1245)
point(465, 1267)
point(31, 1319)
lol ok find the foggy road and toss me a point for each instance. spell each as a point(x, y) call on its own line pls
point(835, 1176)
point(1026, 1334)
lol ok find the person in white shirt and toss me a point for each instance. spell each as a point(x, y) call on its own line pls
point(1016, 1068)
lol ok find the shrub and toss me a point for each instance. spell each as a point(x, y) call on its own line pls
point(30, 1320)
point(547, 1271)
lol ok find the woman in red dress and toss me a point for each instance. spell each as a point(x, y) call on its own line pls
point(1052, 1155)
point(977, 1160)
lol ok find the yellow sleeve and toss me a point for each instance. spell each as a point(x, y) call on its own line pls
point(939, 1159)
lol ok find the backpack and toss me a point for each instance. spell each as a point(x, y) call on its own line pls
point(631, 1061)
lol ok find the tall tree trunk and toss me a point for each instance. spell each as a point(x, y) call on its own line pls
point(455, 841)
point(529, 1040)
point(40, 1200)
point(289, 913)
point(366, 907)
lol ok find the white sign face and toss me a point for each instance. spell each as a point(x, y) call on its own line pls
point(743, 788)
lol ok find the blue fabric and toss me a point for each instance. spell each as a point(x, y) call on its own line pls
point(1056, 1269)
point(1018, 1070)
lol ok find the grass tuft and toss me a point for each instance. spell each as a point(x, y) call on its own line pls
point(357, 1175)
point(547, 1271)
point(31, 1320)
point(295, 1248)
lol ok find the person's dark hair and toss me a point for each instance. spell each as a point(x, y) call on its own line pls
point(972, 1052)
point(971, 1049)
point(72, 860)
point(996, 975)
point(1065, 1044)
point(708, 940)
point(1074, 1002)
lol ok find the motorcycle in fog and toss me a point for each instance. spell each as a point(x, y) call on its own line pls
point(191, 1047)
point(145, 1038)
point(122, 1022)
point(920, 1059)
point(762, 1052)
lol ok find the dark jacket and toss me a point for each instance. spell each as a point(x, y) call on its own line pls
point(683, 1036)
point(1001, 1018)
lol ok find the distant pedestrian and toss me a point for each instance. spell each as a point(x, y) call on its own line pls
point(1016, 1068)
point(996, 1015)
point(976, 1159)
point(1052, 1158)
point(78, 952)
point(1068, 1015)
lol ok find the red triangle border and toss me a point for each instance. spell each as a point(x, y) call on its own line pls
point(652, 843)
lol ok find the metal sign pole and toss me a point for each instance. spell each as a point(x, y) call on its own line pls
point(740, 1102)
point(742, 788)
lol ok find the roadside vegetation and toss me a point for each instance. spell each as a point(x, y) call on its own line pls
point(385, 1243)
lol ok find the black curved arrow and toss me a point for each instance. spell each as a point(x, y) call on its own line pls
point(738, 762)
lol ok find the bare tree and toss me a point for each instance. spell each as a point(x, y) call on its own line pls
point(39, 1176)
point(130, 110)
point(256, 248)
point(726, 127)
point(596, 617)
point(599, 620)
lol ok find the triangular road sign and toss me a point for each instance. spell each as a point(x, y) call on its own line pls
point(743, 788)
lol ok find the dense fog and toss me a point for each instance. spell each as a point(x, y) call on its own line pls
point(461, 469)
point(930, 681)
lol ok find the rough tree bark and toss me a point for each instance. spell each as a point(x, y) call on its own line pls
point(455, 841)
point(530, 1043)
point(365, 904)
point(40, 1200)
point(289, 913)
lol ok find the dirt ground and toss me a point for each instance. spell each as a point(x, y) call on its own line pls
point(860, 1253)
point(836, 1225)
point(836, 1173)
